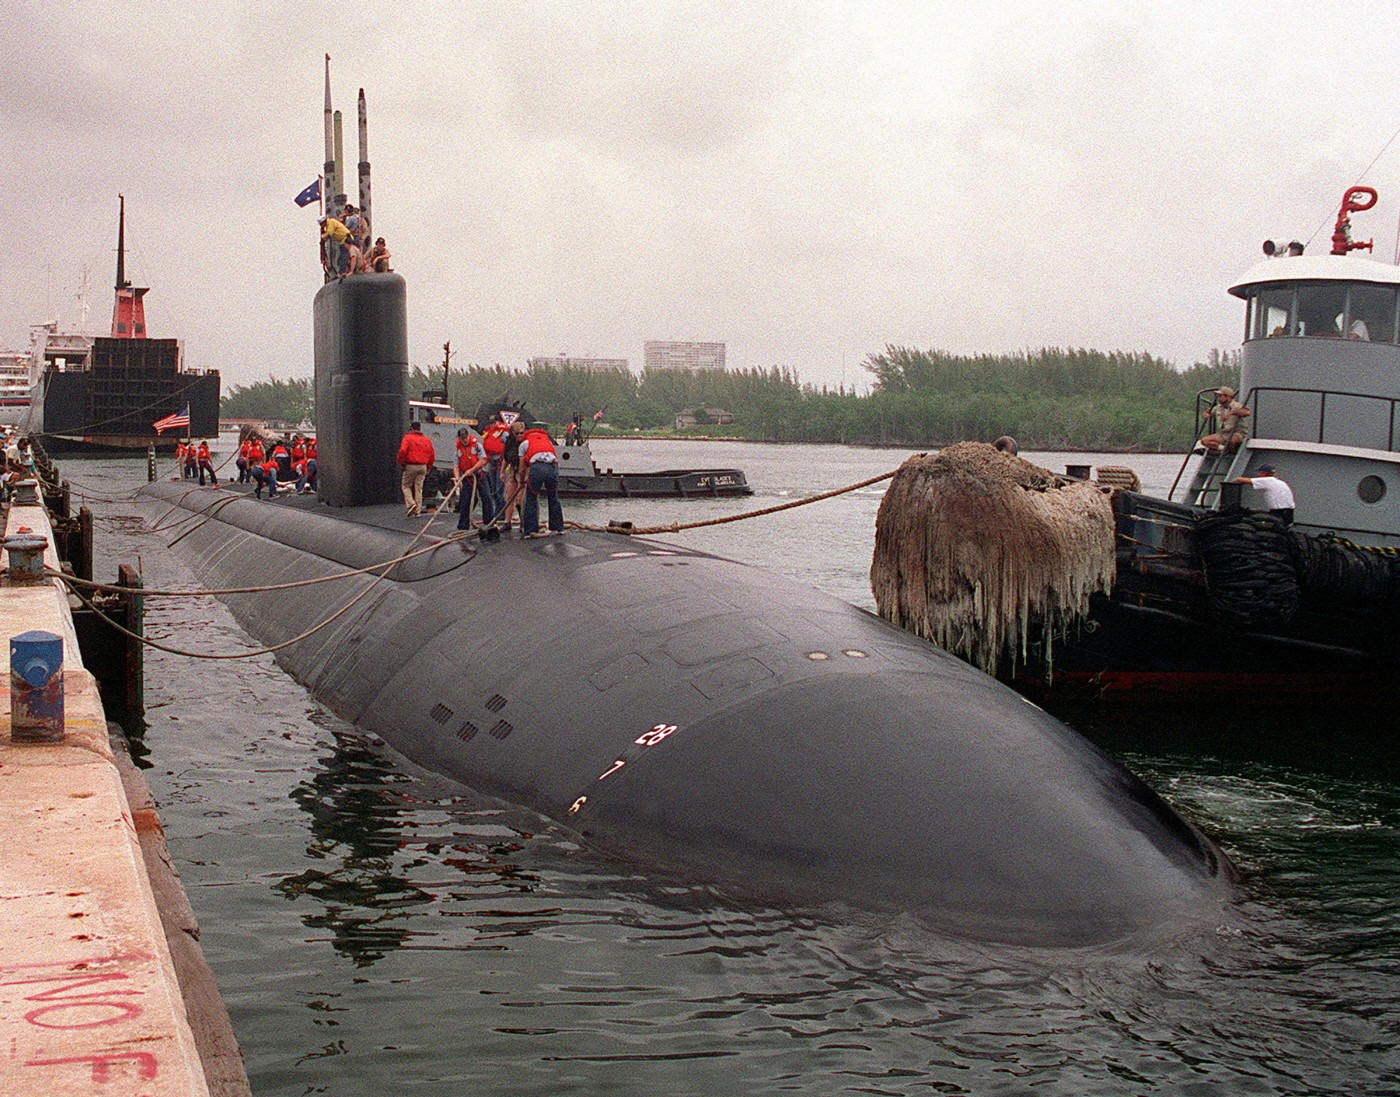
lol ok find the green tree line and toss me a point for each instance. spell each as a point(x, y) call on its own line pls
point(288, 401)
point(1049, 398)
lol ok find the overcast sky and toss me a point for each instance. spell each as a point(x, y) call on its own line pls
point(806, 182)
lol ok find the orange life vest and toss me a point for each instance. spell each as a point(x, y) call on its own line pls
point(493, 438)
point(536, 441)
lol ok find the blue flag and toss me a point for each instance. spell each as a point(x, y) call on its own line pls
point(310, 194)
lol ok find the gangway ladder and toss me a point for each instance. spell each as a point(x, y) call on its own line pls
point(1205, 487)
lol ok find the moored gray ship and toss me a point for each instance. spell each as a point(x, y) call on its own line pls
point(108, 392)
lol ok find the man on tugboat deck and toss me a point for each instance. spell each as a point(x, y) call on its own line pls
point(1227, 416)
point(1278, 496)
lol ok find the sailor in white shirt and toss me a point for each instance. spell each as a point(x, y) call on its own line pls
point(1278, 496)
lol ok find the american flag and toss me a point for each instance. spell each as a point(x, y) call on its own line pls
point(180, 419)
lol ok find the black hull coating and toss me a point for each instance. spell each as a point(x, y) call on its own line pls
point(715, 721)
point(1160, 632)
point(96, 411)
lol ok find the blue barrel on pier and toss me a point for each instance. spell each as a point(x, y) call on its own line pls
point(36, 687)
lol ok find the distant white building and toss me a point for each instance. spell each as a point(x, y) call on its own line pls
point(661, 354)
point(559, 361)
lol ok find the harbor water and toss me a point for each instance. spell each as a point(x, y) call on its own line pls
point(377, 929)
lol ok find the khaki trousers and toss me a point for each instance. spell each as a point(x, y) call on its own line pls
point(413, 477)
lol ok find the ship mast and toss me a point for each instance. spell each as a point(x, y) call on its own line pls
point(122, 283)
point(129, 310)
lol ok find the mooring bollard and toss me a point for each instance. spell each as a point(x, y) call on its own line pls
point(26, 493)
point(36, 687)
point(26, 556)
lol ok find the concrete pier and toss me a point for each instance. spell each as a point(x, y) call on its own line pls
point(90, 997)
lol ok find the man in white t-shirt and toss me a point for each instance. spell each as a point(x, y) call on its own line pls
point(1278, 496)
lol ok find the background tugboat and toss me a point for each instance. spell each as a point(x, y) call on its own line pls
point(579, 474)
point(106, 392)
point(580, 477)
point(1204, 590)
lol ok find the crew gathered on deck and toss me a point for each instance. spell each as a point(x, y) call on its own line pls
point(345, 246)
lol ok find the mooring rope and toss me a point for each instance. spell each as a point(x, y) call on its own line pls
point(75, 583)
point(677, 527)
point(148, 642)
point(273, 648)
point(117, 588)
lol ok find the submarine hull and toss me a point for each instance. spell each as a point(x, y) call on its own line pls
point(711, 720)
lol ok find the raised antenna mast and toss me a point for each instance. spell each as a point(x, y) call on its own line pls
point(122, 283)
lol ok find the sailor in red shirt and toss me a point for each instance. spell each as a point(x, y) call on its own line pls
point(266, 476)
point(206, 463)
point(284, 461)
point(539, 472)
point(307, 468)
point(471, 470)
point(493, 440)
point(415, 458)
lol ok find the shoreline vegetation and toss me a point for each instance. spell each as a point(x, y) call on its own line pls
point(1054, 400)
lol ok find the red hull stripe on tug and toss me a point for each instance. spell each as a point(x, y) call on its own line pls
point(1110, 683)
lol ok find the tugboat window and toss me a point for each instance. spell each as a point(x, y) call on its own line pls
point(1371, 489)
point(1322, 309)
point(1273, 313)
point(1371, 314)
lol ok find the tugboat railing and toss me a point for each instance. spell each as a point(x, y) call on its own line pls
point(1254, 400)
point(1322, 395)
point(1204, 399)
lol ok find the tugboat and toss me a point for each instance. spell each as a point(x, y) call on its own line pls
point(581, 478)
point(1210, 592)
point(108, 392)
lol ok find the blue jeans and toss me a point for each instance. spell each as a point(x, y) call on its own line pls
point(495, 487)
point(543, 480)
point(477, 488)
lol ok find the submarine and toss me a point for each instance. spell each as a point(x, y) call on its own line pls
point(699, 718)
